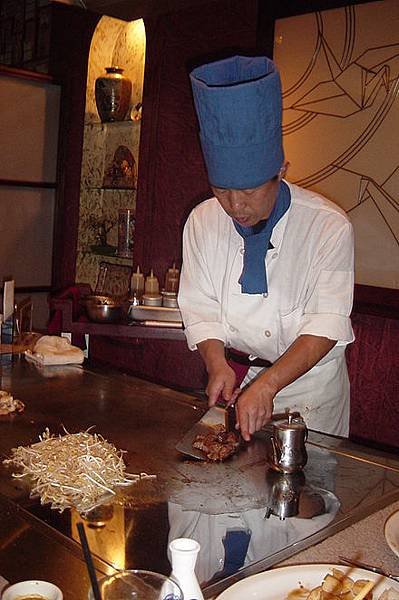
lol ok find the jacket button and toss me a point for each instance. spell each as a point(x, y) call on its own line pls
point(267, 333)
point(275, 255)
point(242, 250)
point(265, 295)
point(232, 329)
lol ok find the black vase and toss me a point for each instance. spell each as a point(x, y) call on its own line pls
point(113, 93)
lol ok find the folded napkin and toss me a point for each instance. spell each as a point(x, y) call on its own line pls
point(55, 350)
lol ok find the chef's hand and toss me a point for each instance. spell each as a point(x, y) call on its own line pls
point(255, 404)
point(254, 408)
point(221, 377)
point(221, 383)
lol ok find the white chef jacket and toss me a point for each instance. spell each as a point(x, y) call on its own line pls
point(310, 291)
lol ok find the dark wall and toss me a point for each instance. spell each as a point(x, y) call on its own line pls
point(71, 32)
point(172, 177)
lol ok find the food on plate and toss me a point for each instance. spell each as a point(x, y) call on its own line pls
point(218, 444)
point(389, 594)
point(79, 470)
point(31, 597)
point(338, 586)
point(9, 404)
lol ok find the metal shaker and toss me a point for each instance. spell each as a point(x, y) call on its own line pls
point(288, 445)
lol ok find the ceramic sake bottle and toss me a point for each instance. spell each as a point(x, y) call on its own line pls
point(184, 552)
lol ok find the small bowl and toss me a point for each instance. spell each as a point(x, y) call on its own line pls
point(34, 589)
point(104, 309)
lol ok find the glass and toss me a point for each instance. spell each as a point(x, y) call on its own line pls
point(125, 232)
point(140, 585)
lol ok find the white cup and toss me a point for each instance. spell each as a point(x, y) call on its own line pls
point(41, 589)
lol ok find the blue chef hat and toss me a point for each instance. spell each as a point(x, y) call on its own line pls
point(239, 107)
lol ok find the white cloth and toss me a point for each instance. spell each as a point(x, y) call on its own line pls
point(310, 280)
point(54, 350)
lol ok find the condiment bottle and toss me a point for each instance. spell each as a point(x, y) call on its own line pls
point(151, 286)
point(184, 552)
point(137, 284)
point(172, 279)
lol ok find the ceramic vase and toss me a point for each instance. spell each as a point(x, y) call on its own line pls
point(113, 92)
point(184, 552)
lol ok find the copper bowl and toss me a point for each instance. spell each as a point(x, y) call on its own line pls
point(105, 309)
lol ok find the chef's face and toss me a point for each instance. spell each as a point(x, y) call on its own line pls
point(250, 206)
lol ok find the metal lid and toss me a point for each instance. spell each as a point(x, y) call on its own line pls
point(152, 299)
point(291, 423)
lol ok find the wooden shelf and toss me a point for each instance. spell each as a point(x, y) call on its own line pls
point(125, 123)
point(122, 330)
point(107, 188)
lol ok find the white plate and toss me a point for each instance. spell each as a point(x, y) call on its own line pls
point(276, 584)
point(392, 532)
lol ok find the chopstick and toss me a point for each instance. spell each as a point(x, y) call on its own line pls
point(89, 561)
point(365, 590)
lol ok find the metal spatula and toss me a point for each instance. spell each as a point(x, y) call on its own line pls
point(220, 414)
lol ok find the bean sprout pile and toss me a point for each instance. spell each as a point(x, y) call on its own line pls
point(76, 470)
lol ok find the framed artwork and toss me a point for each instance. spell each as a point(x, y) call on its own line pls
point(113, 279)
point(340, 77)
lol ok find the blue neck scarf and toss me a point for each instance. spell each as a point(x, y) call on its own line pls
point(253, 278)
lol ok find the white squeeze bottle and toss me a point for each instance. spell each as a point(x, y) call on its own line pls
point(184, 552)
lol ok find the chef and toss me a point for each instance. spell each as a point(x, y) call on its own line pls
point(267, 280)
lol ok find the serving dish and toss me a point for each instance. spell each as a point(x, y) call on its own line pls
point(154, 313)
point(281, 583)
point(391, 532)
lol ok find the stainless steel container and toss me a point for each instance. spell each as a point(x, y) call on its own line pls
point(152, 299)
point(169, 299)
point(283, 493)
point(288, 445)
point(154, 313)
point(104, 309)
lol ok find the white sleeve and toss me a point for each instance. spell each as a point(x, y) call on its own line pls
point(198, 303)
point(327, 312)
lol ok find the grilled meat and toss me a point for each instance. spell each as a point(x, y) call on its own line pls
point(218, 444)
